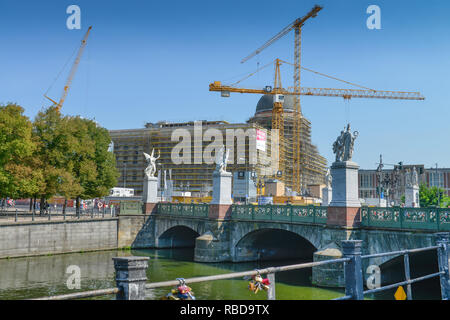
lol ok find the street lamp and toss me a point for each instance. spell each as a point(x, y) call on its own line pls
point(124, 174)
point(437, 186)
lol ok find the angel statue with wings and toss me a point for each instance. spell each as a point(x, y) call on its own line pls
point(222, 159)
point(151, 163)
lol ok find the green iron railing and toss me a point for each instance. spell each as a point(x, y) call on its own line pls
point(183, 209)
point(437, 219)
point(282, 213)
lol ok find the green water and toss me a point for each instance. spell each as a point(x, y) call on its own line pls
point(32, 277)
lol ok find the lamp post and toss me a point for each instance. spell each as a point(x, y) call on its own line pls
point(124, 174)
point(437, 187)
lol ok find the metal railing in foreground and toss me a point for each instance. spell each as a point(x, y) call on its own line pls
point(85, 294)
point(269, 271)
point(131, 276)
point(354, 288)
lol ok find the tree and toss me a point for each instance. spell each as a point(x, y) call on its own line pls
point(92, 165)
point(431, 197)
point(17, 175)
point(54, 149)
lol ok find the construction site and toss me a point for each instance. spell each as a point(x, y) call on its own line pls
point(300, 169)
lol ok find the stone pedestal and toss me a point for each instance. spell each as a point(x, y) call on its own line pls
point(131, 277)
point(150, 194)
point(212, 248)
point(327, 196)
point(344, 208)
point(412, 197)
point(329, 275)
point(221, 188)
point(213, 245)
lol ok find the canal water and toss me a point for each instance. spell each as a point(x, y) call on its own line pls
point(32, 277)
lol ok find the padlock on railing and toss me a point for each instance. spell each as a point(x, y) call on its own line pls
point(258, 283)
point(180, 292)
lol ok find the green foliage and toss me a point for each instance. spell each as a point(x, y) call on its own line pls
point(430, 197)
point(53, 155)
point(17, 178)
point(92, 164)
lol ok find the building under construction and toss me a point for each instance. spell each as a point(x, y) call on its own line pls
point(196, 176)
point(312, 164)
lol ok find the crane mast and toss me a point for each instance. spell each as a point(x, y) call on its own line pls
point(72, 72)
point(296, 26)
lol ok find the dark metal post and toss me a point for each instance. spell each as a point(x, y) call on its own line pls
point(15, 218)
point(271, 292)
point(443, 241)
point(353, 269)
point(407, 276)
point(131, 277)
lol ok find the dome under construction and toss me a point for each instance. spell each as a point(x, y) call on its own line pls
point(312, 164)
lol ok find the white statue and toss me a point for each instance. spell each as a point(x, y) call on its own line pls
point(338, 147)
point(222, 159)
point(343, 146)
point(328, 178)
point(151, 163)
point(408, 180)
point(414, 177)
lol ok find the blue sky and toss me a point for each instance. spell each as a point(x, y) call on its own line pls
point(153, 60)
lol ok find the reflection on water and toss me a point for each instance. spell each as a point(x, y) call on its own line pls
point(32, 277)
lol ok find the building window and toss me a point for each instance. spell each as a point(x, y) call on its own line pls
point(436, 179)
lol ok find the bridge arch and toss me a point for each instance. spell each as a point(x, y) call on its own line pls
point(177, 237)
point(273, 244)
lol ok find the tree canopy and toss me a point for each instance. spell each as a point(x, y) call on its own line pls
point(431, 197)
point(53, 155)
point(17, 176)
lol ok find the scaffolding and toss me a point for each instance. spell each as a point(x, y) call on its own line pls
point(195, 176)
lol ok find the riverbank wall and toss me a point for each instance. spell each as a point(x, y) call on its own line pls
point(20, 239)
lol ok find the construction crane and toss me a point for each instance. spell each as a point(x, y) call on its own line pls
point(296, 26)
point(72, 73)
point(279, 92)
point(298, 90)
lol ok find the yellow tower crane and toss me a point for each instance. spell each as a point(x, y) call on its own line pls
point(299, 161)
point(72, 72)
point(297, 27)
point(279, 92)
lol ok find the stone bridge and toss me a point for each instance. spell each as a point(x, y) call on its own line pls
point(250, 233)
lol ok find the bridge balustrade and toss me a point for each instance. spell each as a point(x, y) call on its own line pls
point(282, 213)
point(435, 219)
point(183, 209)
